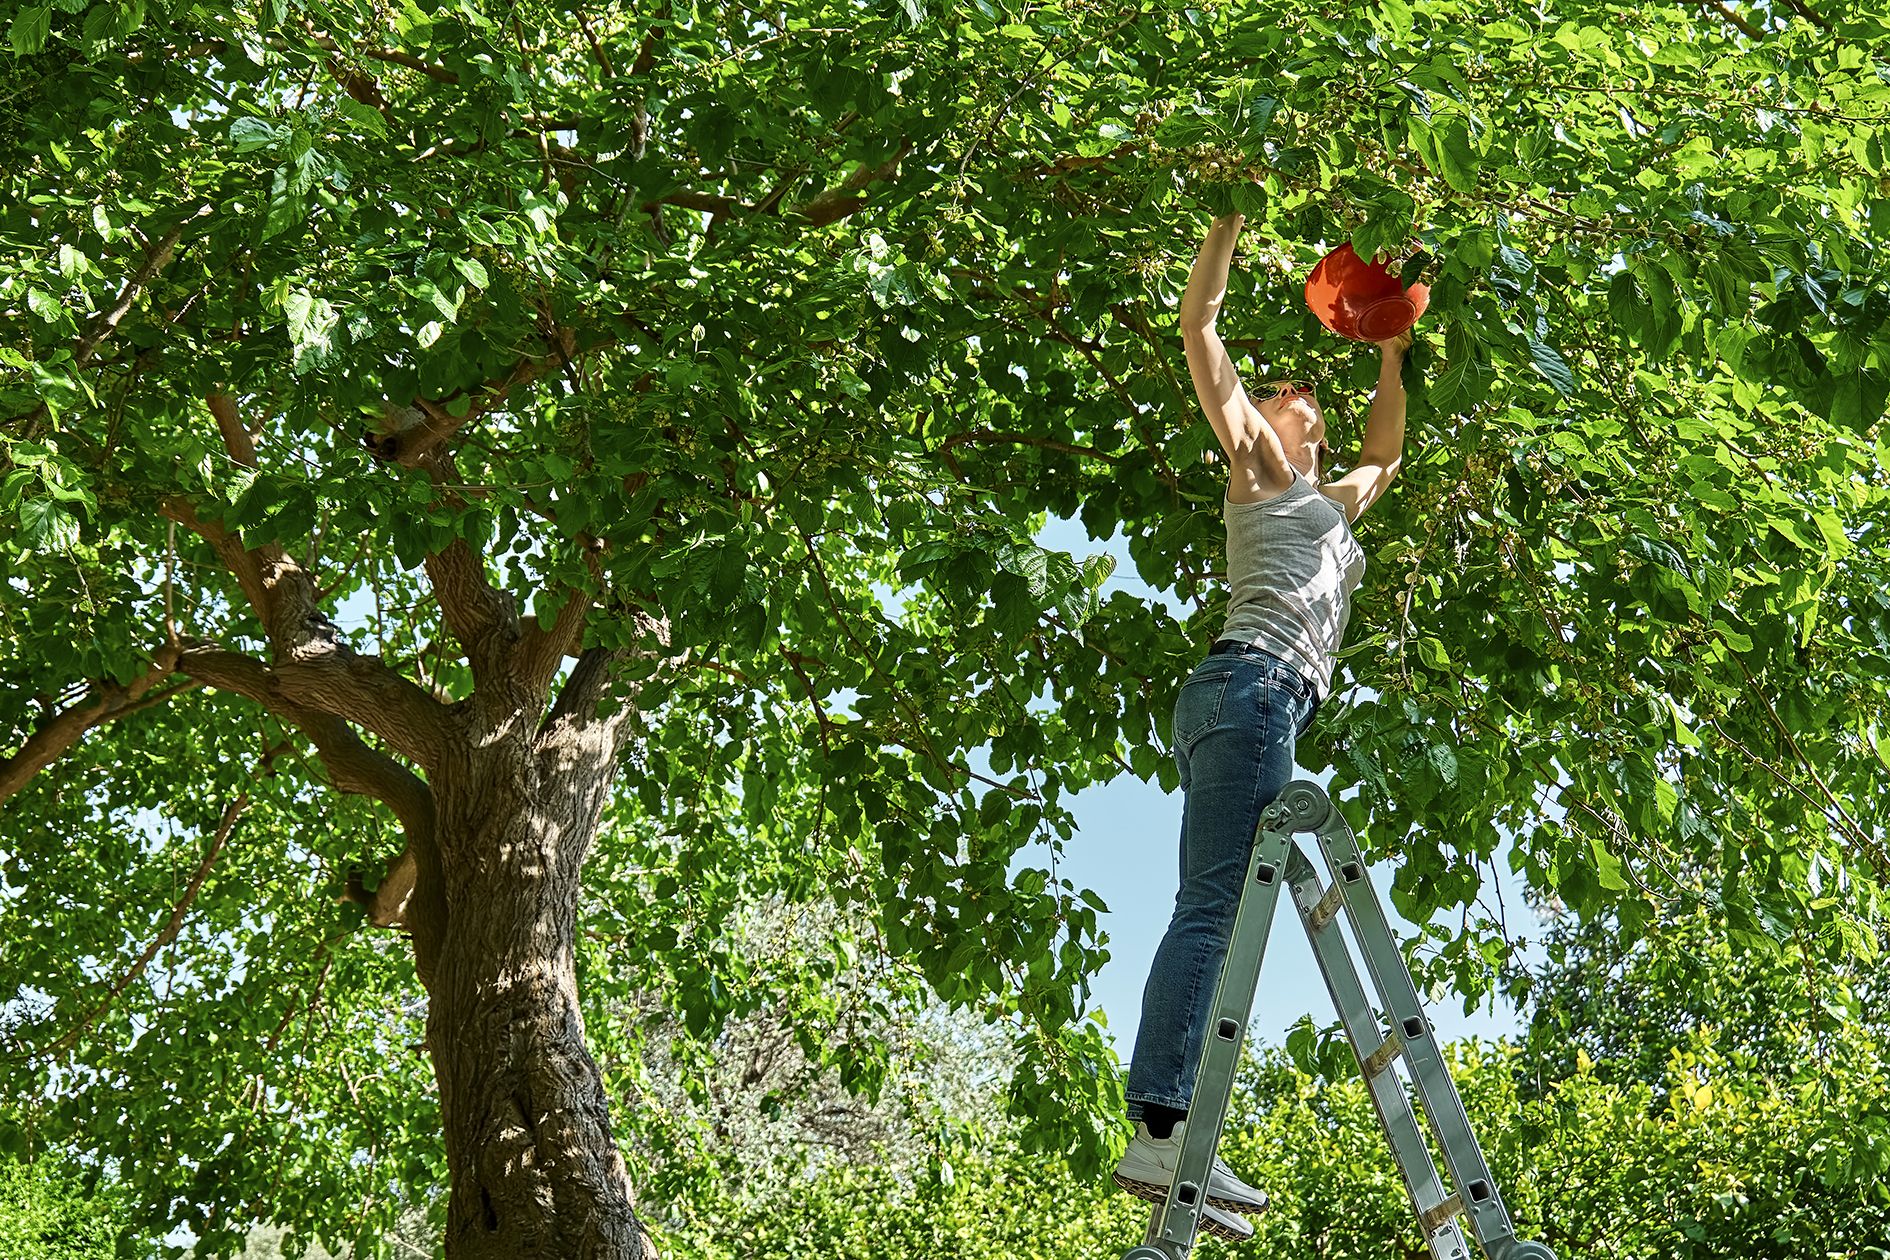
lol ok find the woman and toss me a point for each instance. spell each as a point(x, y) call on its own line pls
point(1292, 565)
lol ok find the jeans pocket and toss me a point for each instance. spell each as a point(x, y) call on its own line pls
point(1292, 682)
point(1198, 707)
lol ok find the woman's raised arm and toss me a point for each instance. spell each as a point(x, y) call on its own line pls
point(1253, 449)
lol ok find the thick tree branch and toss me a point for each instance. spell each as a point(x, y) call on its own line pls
point(708, 203)
point(337, 683)
point(585, 689)
point(312, 668)
point(362, 87)
point(228, 547)
point(1810, 15)
point(574, 718)
point(236, 438)
point(480, 616)
point(1748, 29)
point(386, 902)
point(102, 704)
point(823, 208)
point(646, 54)
point(246, 566)
point(990, 437)
point(544, 647)
point(430, 422)
point(597, 49)
point(358, 770)
point(1074, 162)
point(439, 74)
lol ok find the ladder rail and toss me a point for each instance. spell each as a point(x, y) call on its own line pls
point(1173, 1224)
point(1430, 1201)
point(1443, 1106)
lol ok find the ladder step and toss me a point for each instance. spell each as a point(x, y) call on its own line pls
point(1446, 1211)
point(1321, 914)
point(1381, 1058)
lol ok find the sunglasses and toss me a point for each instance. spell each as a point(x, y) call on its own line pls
point(1283, 389)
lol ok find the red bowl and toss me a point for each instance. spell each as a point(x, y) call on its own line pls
point(1365, 301)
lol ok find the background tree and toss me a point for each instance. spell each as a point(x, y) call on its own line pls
point(47, 1212)
point(545, 467)
point(1629, 1010)
point(1670, 1138)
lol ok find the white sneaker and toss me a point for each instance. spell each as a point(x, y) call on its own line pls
point(1147, 1171)
point(1213, 1222)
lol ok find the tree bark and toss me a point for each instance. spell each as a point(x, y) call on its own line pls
point(534, 1166)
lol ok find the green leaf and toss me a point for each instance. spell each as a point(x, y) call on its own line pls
point(1456, 156)
point(1682, 733)
point(1544, 358)
point(286, 207)
point(364, 117)
point(312, 322)
point(30, 30)
point(44, 305)
point(46, 526)
point(1607, 866)
point(250, 133)
point(445, 304)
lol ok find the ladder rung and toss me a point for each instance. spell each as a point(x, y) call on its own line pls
point(1445, 1211)
point(1381, 1058)
point(1321, 914)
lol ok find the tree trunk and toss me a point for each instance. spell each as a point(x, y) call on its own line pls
point(535, 1169)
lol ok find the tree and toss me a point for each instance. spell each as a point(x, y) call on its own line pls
point(47, 1213)
point(1630, 1010)
point(1680, 1101)
point(504, 465)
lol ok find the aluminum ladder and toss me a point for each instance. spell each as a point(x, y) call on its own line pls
point(1301, 807)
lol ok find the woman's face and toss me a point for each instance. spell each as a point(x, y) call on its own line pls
point(1295, 416)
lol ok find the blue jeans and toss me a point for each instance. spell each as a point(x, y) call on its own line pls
point(1236, 720)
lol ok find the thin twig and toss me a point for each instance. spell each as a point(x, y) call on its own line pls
point(597, 49)
point(1748, 29)
point(1753, 688)
point(170, 575)
point(231, 813)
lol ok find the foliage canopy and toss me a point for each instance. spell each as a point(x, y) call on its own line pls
point(785, 328)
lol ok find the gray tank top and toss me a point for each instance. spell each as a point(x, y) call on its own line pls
point(1292, 565)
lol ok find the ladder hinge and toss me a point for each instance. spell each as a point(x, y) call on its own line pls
point(1445, 1211)
point(1381, 1058)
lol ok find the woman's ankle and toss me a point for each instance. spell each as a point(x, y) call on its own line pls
point(1160, 1121)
